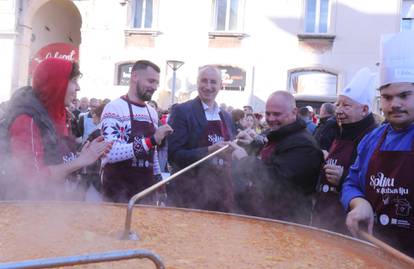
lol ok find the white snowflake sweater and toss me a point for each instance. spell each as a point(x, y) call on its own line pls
point(116, 126)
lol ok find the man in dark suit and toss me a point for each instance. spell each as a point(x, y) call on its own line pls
point(201, 128)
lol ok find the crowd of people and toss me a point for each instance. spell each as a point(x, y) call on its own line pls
point(344, 170)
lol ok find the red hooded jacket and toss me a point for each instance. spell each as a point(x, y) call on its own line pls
point(50, 81)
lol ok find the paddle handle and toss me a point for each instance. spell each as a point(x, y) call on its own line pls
point(127, 230)
point(182, 171)
point(387, 248)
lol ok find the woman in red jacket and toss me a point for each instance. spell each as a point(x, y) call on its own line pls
point(38, 144)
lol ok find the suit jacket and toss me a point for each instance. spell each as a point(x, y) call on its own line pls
point(188, 121)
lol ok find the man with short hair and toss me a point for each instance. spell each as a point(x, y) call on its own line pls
point(84, 105)
point(354, 120)
point(378, 192)
point(132, 165)
point(86, 124)
point(327, 110)
point(325, 130)
point(201, 128)
point(279, 184)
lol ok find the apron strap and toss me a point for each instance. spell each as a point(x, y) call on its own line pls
point(384, 134)
point(356, 140)
point(149, 115)
point(131, 115)
point(223, 127)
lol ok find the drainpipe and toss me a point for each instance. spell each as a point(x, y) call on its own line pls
point(19, 44)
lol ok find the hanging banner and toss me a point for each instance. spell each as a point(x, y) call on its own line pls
point(54, 50)
point(124, 74)
point(233, 78)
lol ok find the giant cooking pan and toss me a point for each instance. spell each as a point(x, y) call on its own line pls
point(182, 238)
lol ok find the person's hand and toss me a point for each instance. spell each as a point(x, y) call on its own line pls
point(333, 173)
point(162, 132)
point(238, 152)
point(92, 151)
point(261, 139)
point(251, 132)
point(361, 213)
point(244, 138)
point(217, 146)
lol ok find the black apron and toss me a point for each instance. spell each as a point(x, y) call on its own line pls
point(122, 180)
point(209, 185)
point(328, 212)
point(267, 150)
point(389, 188)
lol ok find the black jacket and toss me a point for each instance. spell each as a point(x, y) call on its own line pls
point(281, 187)
point(206, 186)
point(188, 121)
point(325, 132)
point(356, 130)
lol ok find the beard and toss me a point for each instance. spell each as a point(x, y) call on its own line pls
point(142, 94)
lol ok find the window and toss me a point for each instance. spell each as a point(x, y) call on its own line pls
point(227, 15)
point(313, 82)
point(407, 15)
point(142, 14)
point(317, 16)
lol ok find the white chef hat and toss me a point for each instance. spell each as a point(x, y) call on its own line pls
point(397, 58)
point(361, 89)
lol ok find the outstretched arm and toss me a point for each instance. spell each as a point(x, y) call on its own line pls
point(27, 148)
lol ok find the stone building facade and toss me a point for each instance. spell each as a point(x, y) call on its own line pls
point(309, 47)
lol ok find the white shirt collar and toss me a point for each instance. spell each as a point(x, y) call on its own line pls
point(213, 109)
point(212, 113)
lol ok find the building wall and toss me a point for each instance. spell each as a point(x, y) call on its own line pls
point(7, 38)
point(32, 33)
point(271, 48)
point(56, 21)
